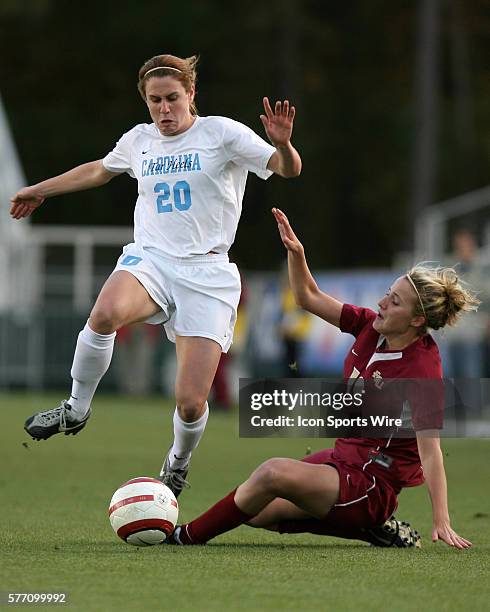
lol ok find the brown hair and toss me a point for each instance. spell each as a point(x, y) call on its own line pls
point(443, 297)
point(187, 74)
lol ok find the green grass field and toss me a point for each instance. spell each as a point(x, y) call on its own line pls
point(56, 536)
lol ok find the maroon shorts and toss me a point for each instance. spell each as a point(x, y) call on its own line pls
point(364, 502)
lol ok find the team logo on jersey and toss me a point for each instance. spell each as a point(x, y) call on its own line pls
point(170, 164)
point(378, 379)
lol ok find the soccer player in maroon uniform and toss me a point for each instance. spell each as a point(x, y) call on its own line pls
point(351, 490)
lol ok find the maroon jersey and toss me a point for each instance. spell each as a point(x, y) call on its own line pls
point(395, 460)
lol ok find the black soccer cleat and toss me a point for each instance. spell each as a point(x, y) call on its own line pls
point(43, 425)
point(395, 534)
point(180, 537)
point(173, 538)
point(173, 478)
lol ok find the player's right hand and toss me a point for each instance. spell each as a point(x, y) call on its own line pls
point(288, 237)
point(25, 202)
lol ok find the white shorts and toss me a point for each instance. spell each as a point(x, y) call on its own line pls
point(198, 295)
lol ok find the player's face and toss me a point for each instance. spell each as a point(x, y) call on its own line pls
point(169, 105)
point(396, 309)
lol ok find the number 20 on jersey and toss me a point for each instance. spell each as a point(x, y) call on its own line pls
point(178, 196)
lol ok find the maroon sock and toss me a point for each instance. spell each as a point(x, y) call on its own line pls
point(223, 516)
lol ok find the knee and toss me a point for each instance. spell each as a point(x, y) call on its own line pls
point(271, 475)
point(190, 406)
point(106, 318)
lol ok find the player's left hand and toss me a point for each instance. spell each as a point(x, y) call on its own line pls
point(278, 124)
point(443, 531)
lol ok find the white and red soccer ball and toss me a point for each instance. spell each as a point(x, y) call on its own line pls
point(143, 511)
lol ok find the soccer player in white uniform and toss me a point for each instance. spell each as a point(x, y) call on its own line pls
point(191, 174)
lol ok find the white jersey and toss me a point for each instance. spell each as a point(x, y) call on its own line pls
point(190, 186)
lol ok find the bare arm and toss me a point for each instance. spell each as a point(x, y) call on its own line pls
point(435, 476)
point(278, 125)
point(285, 162)
point(306, 292)
point(86, 176)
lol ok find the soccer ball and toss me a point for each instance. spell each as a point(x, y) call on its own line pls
point(143, 511)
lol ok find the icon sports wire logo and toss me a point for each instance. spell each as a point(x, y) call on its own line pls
point(383, 408)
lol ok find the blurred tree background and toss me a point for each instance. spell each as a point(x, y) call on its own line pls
point(68, 81)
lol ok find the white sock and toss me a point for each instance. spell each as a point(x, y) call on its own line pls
point(91, 360)
point(186, 438)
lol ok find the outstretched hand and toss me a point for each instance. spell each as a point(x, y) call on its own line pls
point(25, 202)
point(288, 237)
point(445, 533)
point(278, 123)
